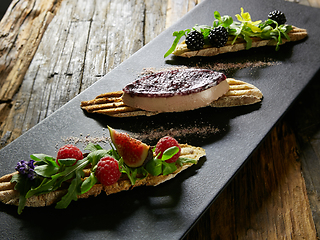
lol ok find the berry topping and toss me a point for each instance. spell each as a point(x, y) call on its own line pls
point(165, 143)
point(107, 171)
point(277, 16)
point(195, 40)
point(174, 82)
point(69, 151)
point(218, 37)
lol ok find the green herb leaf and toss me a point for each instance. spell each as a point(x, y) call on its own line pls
point(169, 153)
point(93, 147)
point(44, 158)
point(23, 184)
point(168, 168)
point(88, 183)
point(95, 156)
point(67, 161)
point(183, 160)
point(154, 166)
point(72, 194)
point(178, 36)
point(46, 170)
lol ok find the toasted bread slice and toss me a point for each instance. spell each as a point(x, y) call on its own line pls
point(181, 50)
point(10, 196)
point(240, 93)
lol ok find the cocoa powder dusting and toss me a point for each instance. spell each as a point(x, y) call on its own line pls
point(181, 134)
point(226, 67)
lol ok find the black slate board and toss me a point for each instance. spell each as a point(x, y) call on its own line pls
point(169, 210)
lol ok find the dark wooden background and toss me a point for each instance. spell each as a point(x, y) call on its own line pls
point(45, 60)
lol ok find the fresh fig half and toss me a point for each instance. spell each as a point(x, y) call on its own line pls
point(134, 152)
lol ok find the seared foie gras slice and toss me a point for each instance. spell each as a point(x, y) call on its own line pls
point(10, 196)
point(175, 90)
point(181, 50)
point(240, 93)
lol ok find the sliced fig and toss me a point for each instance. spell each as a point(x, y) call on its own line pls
point(134, 152)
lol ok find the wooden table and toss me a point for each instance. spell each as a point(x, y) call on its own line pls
point(51, 50)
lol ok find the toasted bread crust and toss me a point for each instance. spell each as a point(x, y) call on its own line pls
point(240, 93)
point(181, 50)
point(10, 196)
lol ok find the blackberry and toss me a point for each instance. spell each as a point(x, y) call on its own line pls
point(195, 40)
point(218, 37)
point(277, 16)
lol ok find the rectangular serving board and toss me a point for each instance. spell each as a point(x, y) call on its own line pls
point(169, 210)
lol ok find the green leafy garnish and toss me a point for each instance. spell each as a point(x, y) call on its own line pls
point(244, 28)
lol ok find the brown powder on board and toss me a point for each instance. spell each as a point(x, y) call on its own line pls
point(181, 134)
point(219, 66)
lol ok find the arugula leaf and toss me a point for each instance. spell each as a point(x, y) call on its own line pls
point(39, 158)
point(95, 156)
point(154, 166)
point(67, 161)
point(23, 184)
point(92, 147)
point(88, 183)
point(72, 194)
point(46, 170)
point(183, 160)
point(168, 168)
point(55, 181)
point(178, 36)
point(132, 172)
point(168, 153)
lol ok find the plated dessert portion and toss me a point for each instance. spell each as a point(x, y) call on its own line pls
point(226, 35)
point(174, 91)
point(45, 180)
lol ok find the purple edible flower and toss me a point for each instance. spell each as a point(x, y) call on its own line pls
point(26, 168)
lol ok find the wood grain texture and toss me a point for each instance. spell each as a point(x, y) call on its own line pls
point(52, 50)
point(21, 31)
point(266, 200)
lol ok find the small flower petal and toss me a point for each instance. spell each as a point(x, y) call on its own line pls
point(239, 17)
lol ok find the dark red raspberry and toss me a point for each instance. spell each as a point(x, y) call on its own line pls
point(107, 171)
point(69, 151)
point(165, 143)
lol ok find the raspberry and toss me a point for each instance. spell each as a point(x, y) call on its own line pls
point(165, 143)
point(107, 171)
point(195, 40)
point(218, 37)
point(69, 151)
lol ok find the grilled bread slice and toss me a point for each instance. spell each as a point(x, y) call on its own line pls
point(240, 93)
point(181, 50)
point(10, 196)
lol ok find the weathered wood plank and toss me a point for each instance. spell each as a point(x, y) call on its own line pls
point(306, 123)
point(62, 66)
point(178, 8)
point(266, 200)
point(121, 20)
point(22, 28)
